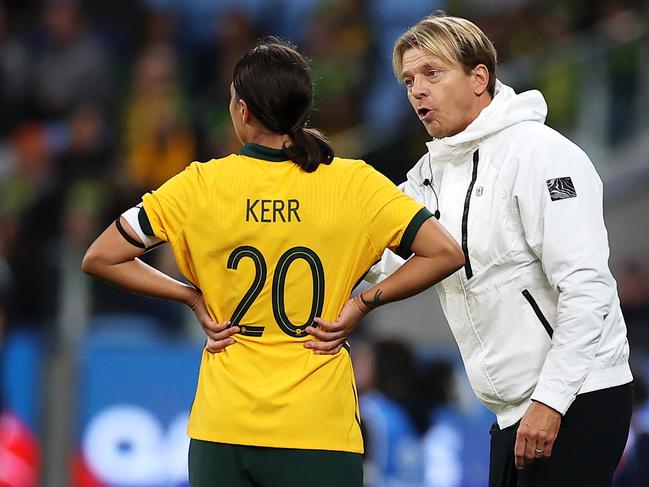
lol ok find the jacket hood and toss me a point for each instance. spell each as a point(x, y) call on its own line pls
point(506, 109)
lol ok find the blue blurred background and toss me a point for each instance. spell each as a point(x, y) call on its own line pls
point(103, 100)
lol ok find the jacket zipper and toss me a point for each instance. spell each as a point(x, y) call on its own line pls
point(465, 218)
point(538, 312)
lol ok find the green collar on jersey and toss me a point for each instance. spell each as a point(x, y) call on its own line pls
point(264, 153)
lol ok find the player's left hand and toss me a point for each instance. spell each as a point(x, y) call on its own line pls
point(332, 335)
point(536, 434)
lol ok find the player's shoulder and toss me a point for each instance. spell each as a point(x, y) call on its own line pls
point(212, 166)
point(346, 163)
point(357, 171)
point(350, 166)
point(217, 162)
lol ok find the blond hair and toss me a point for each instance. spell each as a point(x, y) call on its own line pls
point(452, 39)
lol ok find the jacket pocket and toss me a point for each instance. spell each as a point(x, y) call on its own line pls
point(465, 218)
point(538, 312)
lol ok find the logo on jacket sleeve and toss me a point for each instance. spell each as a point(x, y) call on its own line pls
point(561, 188)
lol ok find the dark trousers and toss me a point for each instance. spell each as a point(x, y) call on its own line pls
point(587, 450)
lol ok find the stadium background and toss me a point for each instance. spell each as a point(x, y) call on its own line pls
point(102, 100)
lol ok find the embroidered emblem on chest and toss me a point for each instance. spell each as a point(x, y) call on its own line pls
point(561, 188)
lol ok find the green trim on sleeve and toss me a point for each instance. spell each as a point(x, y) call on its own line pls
point(403, 250)
point(144, 222)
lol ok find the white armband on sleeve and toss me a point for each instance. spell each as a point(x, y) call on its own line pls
point(131, 217)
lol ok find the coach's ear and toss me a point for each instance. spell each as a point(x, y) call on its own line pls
point(480, 79)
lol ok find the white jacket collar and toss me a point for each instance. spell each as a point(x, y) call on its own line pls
point(506, 109)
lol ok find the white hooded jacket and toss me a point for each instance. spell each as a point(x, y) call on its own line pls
point(535, 310)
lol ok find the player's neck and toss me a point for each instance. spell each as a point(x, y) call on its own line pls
point(267, 139)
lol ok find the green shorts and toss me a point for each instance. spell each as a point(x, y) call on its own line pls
point(225, 465)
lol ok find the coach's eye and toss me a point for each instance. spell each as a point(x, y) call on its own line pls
point(433, 73)
point(408, 82)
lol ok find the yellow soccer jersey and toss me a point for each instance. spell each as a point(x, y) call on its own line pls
point(271, 247)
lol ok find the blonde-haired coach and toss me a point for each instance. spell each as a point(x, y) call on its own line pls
point(535, 310)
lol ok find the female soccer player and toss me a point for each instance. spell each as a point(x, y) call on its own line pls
point(272, 239)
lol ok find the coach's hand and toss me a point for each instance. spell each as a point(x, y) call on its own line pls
point(219, 335)
point(536, 434)
point(332, 335)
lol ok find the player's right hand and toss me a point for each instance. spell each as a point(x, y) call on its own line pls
point(331, 336)
point(219, 335)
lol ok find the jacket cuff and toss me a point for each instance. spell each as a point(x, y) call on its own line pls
point(373, 277)
point(551, 398)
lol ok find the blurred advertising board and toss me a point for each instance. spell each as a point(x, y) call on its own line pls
point(134, 401)
point(20, 384)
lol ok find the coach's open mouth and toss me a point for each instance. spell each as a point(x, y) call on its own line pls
point(423, 113)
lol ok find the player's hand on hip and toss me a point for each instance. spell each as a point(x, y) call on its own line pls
point(536, 434)
point(332, 335)
point(219, 335)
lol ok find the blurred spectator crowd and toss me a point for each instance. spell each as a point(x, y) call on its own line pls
point(103, 101)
